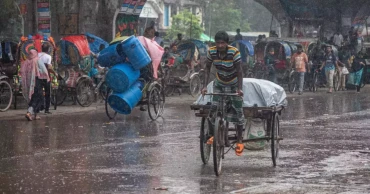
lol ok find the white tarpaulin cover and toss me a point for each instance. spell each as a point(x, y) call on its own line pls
point(261, 93)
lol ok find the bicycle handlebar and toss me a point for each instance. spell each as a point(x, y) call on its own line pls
point(222, 94)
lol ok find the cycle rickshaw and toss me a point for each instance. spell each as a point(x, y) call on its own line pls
point(22, 53)
point(247, 55)
point(283, 53)
point(224, 135)
point(152, 89)
point(194, 54)
point(8, 68)
point(75, 63)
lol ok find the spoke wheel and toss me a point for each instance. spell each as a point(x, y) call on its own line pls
point(85, 93)
point(58, 96)
point(155, 103)
point(205, 149)
point(275, 135)
point(292, 83)
point(195, 85)
point(108, 110)
point(6, 95)
point(315, 83)
point(218, 146)
point(336, 81)
point(103, 89)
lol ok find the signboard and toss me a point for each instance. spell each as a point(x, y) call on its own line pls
point(44, 25)
point(43, 17)
point(43, 8)
point(132, 7)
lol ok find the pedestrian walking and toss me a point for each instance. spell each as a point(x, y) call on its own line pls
point(32, 71)
point(338, 39)
point(45, 58)
point(300, 63)
point(358, 68)
point(344, 65)
point(330, 64)
point(238, 36)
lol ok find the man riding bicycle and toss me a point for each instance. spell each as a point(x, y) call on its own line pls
point(229, 79)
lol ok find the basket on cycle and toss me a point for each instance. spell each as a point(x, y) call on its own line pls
point(131, 78)
point(257, 104)
point(189, 74)
point(247, 56)
point(8, 69)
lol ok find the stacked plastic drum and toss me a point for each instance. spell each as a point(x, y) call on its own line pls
point(125, 59)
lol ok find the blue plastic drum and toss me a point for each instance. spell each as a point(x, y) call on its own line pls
point(125, 102)
point(120, 77)
point(135, 53)
point(111, 55)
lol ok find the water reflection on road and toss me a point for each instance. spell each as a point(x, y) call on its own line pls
point(324, 150)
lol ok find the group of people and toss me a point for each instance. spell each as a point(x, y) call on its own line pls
point(36, 76)
point(323, 59)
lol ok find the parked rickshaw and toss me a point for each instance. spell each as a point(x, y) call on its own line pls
point(75, 62)
point(193, 53)
point(283, 53)
point(8, 68)
point(22, 53)
point(247, 55)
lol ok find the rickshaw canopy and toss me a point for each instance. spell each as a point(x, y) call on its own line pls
point(80, 42)
point(287, 49)
point(244, 46)
point(95, 44)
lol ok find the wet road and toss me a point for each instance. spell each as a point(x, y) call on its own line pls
point(325, 150)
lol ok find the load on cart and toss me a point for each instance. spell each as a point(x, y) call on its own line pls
point(132, 78)
point(263, 102)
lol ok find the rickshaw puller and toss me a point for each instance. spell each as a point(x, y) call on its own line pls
point(229, 79)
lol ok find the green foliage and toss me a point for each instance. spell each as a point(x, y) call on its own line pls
point(185, 23)
point(8, 8)
point(226, 16)
point(8, 11)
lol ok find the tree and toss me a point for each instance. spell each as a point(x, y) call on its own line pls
point(185, 23)
point(223, 15)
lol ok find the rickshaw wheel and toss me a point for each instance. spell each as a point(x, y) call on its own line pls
point(155, 103)
point(218, 146)
point(205, 149)
point(275, 135)
point(314, 83)
point(336, 81)
point(103, 90)
point(85, 93)
point(292, 83)
point(169, 90)
point(6, 96)
point(108, 110)
point(195, 85)
point(58, 96)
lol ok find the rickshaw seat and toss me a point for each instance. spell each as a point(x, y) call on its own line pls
point(281, 64)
